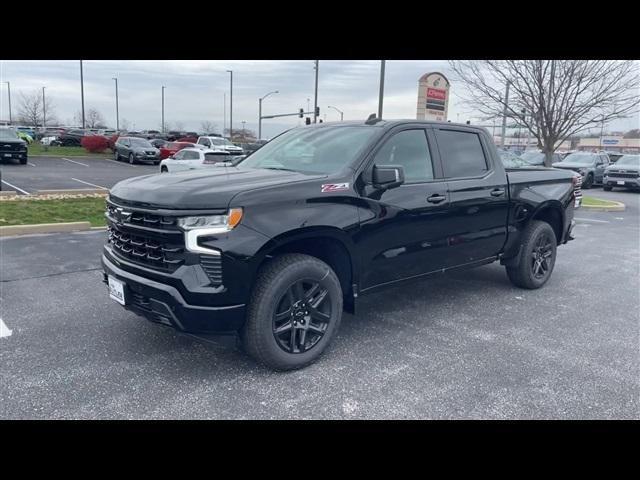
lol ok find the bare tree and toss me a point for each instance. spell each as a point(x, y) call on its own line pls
point(207, 126)
point(124, 124)
point(31, 111)
point(94, 119)
point(178, 126)
point(553, 99)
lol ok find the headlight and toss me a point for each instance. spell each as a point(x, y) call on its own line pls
point(203, 225)
point(227, 222)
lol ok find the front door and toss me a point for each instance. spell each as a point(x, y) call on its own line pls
point(401, 233)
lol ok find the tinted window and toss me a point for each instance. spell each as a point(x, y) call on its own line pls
point(179, 155)
point(191, 155)
point(462, 154)
point(409, 149)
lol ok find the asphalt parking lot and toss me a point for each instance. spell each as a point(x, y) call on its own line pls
point(465, 345)
point(55, 173)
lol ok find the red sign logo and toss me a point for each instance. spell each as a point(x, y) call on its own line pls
point(436, 93)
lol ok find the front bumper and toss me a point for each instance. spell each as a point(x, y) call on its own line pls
point(164, 304)
point(5, 154)
point(612, 181)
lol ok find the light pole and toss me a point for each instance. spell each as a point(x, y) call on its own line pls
point(82, 92)
point(163, 87)
point(381, 96)
point(44, 109)
point(224, 113)
point(9, 92)
point(117, 113)
point(231, 105)
point(243, 134)
point(339, 111)
point(260, 112)
point(315, 101)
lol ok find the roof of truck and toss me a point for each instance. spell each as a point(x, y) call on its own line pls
point(391, 123)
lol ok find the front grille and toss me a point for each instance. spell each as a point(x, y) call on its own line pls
point(150, 251)
point(212, 265)
point(143, 219)
point(615, 173)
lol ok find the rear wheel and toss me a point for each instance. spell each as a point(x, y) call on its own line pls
point(537, 256)
point(164, 169)
point(588, 183)
point(607, 188)
point(295, 309)
point(132, 159)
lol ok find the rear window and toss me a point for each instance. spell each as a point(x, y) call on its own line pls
point(462, 154)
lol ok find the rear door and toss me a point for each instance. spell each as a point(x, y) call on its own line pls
point(476, 223)
point(601, 163)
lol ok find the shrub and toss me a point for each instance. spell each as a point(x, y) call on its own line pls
point(95, 143)
point(112, 141)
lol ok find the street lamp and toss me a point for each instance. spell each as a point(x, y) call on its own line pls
point(44, 109)
point(163, 87)
point(243, 134)
point(339, 111)
point(117, 114)
point(230, 106)
point(82, 92)
point(9, 92)
point(260, 112)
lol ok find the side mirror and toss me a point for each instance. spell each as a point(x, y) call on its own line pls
point(387, 176)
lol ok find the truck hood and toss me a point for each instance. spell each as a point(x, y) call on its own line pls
point(201, 189)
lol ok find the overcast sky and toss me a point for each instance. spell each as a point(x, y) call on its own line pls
point(195, 90)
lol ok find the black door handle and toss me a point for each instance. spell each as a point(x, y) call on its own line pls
point(497, 192)
point(436, 198)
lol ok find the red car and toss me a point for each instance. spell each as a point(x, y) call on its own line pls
point(172, 147)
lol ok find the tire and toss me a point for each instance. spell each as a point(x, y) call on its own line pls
point(588, 183)
point(164, 169)
point(539, 243)
point(290, 276)
point(132, 159)
point(116, 156)
point(23, 161)
point(607, 188)
point(156, 163)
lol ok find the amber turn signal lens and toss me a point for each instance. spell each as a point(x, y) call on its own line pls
point(235, 215)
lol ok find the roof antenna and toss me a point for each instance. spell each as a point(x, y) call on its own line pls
point(372, 120)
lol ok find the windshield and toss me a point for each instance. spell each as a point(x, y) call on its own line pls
point(581, 158)
point(7, 134)
point(629, 161)
point(511, 160)
point(140, 142)
point(533, 158)
point(312, 150)
point(220, 141)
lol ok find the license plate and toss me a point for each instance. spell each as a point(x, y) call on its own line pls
point(116, 290)
point(620, 182)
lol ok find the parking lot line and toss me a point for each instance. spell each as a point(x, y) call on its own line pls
point(91, 184)
point(590, 220)
point(32, 164)
point(17, 188)
point(73, 161)
point(4, 330)
point(119, 163)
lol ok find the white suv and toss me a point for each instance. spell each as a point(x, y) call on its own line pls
point(220, 143)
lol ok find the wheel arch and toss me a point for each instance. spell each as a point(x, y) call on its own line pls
point(552, 213)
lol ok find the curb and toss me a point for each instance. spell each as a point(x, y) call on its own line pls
point(73, 191)
point(43, 228)
point(7, 193)
point(618, 207)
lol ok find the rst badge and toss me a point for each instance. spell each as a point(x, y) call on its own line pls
point(335, 187)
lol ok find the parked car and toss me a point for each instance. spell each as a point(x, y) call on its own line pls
point(173, 147)
point(12, 147)
point(511, 160)
point(537, 158)
point(72, 138)
point(217, 142)
point(276, 247)
point(590, 165)
point(187, 139)
point(136, 149)
point(623, 173)
point(174, 135)
point(158, 143)
point(193, 159)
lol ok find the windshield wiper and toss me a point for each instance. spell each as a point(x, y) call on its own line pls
point(280, 168)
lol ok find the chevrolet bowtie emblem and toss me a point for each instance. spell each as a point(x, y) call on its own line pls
point(122, 216)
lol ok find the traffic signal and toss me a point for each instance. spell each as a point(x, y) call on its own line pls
point(317, 111)
point(307, 121)
point(301, 112)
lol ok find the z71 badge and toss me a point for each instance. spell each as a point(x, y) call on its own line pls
point(335, 187)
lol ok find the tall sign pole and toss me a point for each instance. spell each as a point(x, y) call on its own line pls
point(381, 95)
point(82, 92)
point(433, 97)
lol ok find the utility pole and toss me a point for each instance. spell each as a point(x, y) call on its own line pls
point(231, 107)
point(163, 87)
point(224, 113)
point(381, 96)
point(504, 116)
point(82, 92)
point(9, 92)
point(117, 113)
point(260, 112)
point(315, 100)
point(44, 110)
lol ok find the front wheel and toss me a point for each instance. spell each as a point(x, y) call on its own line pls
point(537, 256)
point(607, 188)
point(294, 311)
point(588, 183)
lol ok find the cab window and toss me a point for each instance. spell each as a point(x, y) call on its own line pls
point(409, 149)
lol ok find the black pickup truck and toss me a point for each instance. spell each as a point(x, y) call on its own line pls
point(276, 247)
